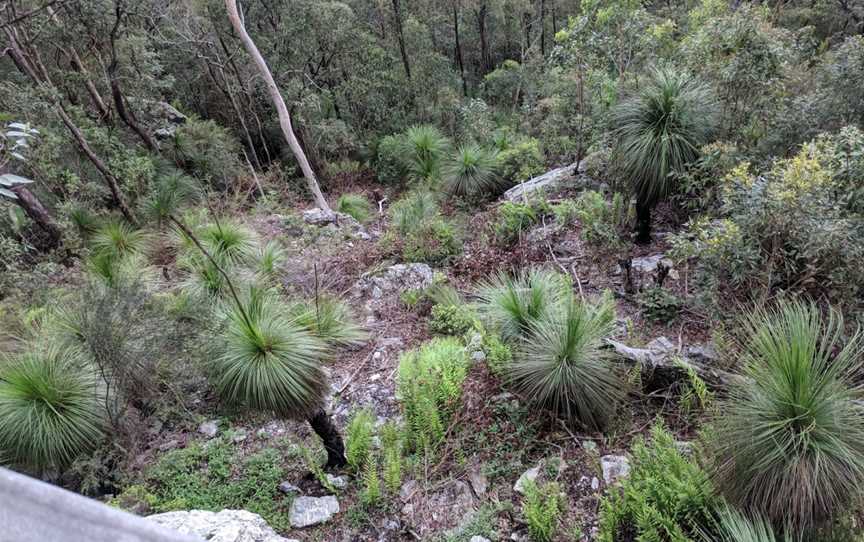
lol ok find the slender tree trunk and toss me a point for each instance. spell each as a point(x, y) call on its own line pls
point(323, 426)
point(543, 27)
point(279, 102)
point(643, 223)
point(37, 212)
point(126, 116)
point(485, 59)
point(458, 51)
point(400, 36)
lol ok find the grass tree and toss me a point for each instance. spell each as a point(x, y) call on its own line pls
point(660, 129)
point(513, 303)
point(50, 411)
point(270, 362)
point(472, 172)
point(563, 367)
point(790, 437)
point(424, 146)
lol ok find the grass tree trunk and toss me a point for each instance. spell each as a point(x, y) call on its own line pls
point(279, 103)
point(643, 223)
point(324, 427)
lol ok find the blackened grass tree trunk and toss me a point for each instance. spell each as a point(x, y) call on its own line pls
point(279, 103)
point(323, 425)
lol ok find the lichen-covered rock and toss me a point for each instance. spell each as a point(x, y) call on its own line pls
point(308, 511)
point(224, 526)
point(396, 279)
point(615, 468)
point(320, 217)
point(549, 180)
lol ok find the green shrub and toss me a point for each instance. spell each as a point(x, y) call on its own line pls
point(498, 354)
point(207, 151)
point(423, 148)
point(512, 304)
point(666, 496)
point(270, 256)
point(542, 509)
point(603, 222)
point(358, 438)
point(563, 366)
point(520, 161)
point(659, 304)
point(355, 205)
point(389, 162)
point(416, 208)
point(790, 439)
point(371, 494)
point(430, 387)
point(513, 219)
point(452, 320)
point(50, 410)
point(433, 241)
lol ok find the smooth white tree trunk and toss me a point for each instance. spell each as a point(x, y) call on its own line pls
point(281, 109)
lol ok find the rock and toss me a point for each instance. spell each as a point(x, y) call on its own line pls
point(648, 264)
point(307, 511)
point(661, 345)
point(529, 475)
point(318, 217)
point(339, 482)
point(224, 526)
point(549, 180)
point(209, 429)
point(478, 538)
point(615, 468)
point(478, 480)
point(595, 483)
point(684, 447)
point(239, 437)
point(478, 356)
point(395, 280)
point(288, 488)
point(335, 221)
point(407, 490)
point(703, 353)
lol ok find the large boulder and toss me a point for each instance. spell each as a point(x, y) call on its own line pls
point(308, 511)
point(395, 280)
point(224, 526)
point(548, 181)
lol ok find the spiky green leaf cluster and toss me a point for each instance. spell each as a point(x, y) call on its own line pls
point(330, 319)
point(269, 362)
point(50, 412)
point(354, 205)
point(790, 440)
point(472, 171)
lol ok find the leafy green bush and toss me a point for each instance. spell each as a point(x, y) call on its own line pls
point(358, 438)
point(371, 493)
point(207, 151)
point(513, 219)
point(389, 163)
point(50, 410)
point(666, 496)
point(562, 366)
point(416, 208)
point(542, 509)
point(451, 319)
point(511, 304)
point(659, 304)
point(498, 354)
point(432, 241)
point(603, 223)
point(355, 205)
point(430, 387)
point(790, 439)
point(391, 449)
point(520, 161)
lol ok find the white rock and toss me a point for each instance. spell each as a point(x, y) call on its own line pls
point(615, 468)
point(595, 483)
point(339, 482)
point(209, 429)
point(224, 526)
point(288, 488)
point(589, 446)
point(529, 475)
point(477, 538)
point(407, 490)
point(307, 511)
point(478, 480)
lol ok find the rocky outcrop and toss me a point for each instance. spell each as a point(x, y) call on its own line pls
point(395, 280)
point(224, 526)
point(337, 221)
point(548, 181)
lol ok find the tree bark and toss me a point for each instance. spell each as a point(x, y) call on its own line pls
point(279, 102)
point(643, 223)
point(543, 27)
point(126, 116)
point(37, 212)
point(400, 36)
point(323, 426)
point(458, 51)
point(485, 59)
